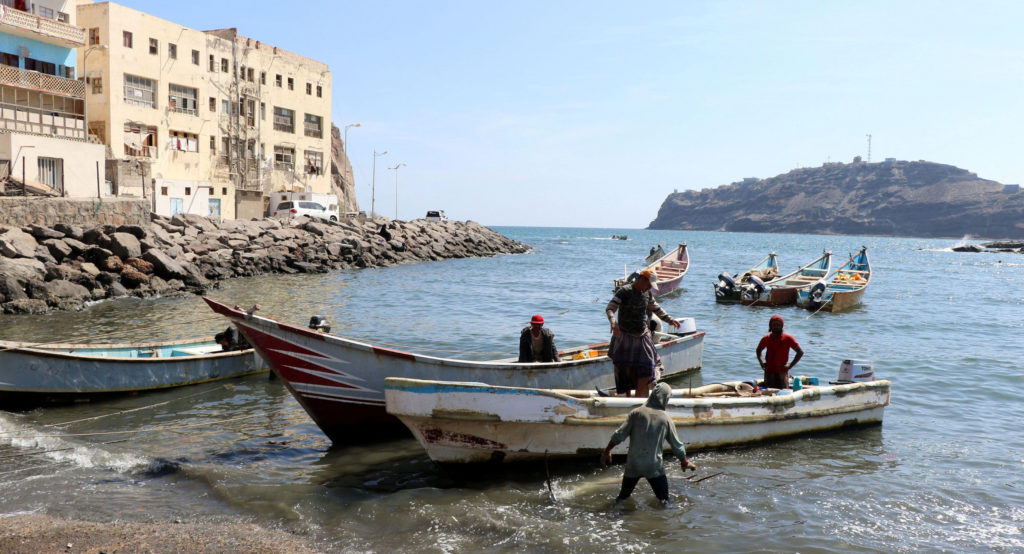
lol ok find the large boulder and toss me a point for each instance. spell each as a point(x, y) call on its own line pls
point(23, 269)
point(15, 243)
point(125, 245)
point(134, 230)
point(140, 265)
point(58, 248)
point(165, 266)
point(70, 231)
point(133, 278)
point(42, 233)
point(11, 289)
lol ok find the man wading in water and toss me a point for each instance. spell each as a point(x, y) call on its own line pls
point(632, 349)
point(647, 427)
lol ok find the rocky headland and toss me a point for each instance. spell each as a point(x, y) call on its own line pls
point(1008, 246)
point(890, 198)
point(62, 267)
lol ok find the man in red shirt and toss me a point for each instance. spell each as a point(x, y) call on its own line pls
point(776, 364)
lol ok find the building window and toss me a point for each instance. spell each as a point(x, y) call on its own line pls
point(224, 107)
point(99, 130)
point(188, 191)
point(213, 104)
point(163, 191)
point(139, 91)
point(63, 17)
point(154, 46)
point(183, 99)
point(94, 36)
point(309, 88)
point(195, 57)
point(9, 59)
point(139, 140)
point(40, 66)
point(314, 162)
point(213, 144)
point(284, 120)
point(126, 36)
point(213, 64)
point(263, 77)
point(223, 65)
point(313, 126)
point(263, 111)
point(97, 85)
point(319, 91)
point(249, 75)
point(224, 191)
point(250, 112)
point(284, 158)
point(277, 80)
point(45, 12)
point(291, 83)
point(183, 141)
point(172, 51)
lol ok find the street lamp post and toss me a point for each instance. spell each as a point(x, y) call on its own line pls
point(373, 182)
point(344, 143)
point(396, 187)
point(85, 73)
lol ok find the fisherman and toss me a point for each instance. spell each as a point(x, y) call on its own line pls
point(536, 343)
point(231, 339)
point(653, 250)
point(776, 364)
point(632, 349)
point(647, 427)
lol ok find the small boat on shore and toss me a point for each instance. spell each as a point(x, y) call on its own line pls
point(842, 289)
point(340, 381)
point(670, 269)
point(730, 289)
point(33, 374)
point(782, 291)
point(476, 422)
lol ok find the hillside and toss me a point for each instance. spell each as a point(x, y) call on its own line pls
point(891, 198)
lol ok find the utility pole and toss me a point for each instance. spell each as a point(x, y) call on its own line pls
point(869, 148)
point(373, 182)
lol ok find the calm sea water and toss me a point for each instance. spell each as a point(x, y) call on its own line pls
point(942, 473)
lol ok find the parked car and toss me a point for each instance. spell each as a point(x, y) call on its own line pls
point(298, 208)
point(436, 215)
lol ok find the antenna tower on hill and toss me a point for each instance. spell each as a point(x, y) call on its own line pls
point(869, 148)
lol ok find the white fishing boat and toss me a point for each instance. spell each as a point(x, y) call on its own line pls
point(476, 422)
point(340, 381)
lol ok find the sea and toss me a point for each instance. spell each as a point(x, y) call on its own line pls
point(942, 474)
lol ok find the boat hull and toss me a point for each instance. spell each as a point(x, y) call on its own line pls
point(470, 423)
point(340, 382)
point(670, 269)
point(36, 375)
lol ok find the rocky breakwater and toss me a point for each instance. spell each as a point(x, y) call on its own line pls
point(1010, 246)
point(63, 267)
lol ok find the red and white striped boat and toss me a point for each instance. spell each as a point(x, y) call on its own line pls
point(340, 382)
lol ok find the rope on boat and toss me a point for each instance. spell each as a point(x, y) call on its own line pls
point(27, 344)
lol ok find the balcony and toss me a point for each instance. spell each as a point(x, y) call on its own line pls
point(40, 81)
point(24, 24)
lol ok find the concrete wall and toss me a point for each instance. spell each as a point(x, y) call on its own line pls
point(21, 211)
point(80, 160)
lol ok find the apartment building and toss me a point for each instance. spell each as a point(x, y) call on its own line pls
point(204, 122)
point(43, 139)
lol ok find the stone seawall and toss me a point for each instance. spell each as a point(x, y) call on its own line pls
point(47, 212)
point(61, 267)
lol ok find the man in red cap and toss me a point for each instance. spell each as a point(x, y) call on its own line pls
point(537, 344)
point(776, 364)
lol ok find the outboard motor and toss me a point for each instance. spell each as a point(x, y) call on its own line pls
point(753, 289)
point(725, 285)
point(319, 323)
point(817, 291)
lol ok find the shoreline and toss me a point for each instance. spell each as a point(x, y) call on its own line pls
point(41, 533)
point(44, 269)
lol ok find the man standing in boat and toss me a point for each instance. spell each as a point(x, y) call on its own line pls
point(647, 428)
point(776, 364)
point(537, 344)
point(632, 349)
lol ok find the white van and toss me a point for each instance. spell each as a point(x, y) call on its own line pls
point(436, 215)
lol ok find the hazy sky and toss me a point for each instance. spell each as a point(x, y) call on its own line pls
point(588, 114)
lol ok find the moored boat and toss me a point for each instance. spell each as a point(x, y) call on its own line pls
point(782, 291)
point(476, 422)
point(670, 269)
point(730, 289)
point(34, 374)
point(841, 290)
point(340, 382)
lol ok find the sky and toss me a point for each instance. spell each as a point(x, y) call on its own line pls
point(590, 113)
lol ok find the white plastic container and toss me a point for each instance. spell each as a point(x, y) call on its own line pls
point(687, 325)
point(856, 371)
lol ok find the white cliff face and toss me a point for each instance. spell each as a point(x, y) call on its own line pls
point(342, 179)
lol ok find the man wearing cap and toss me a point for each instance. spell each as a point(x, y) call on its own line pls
point(537, 344)
point(776, 364)
point(632, 349)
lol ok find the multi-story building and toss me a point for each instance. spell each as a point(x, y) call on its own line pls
point(205, 122)
point(43, 137)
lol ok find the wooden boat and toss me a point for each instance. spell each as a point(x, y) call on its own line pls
point(476, 422)
point(730, 289)
point(340, 382)
point(670, 269)
point(33, 374)
point(842, 289)
point(782, 291)
point(620, 237)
